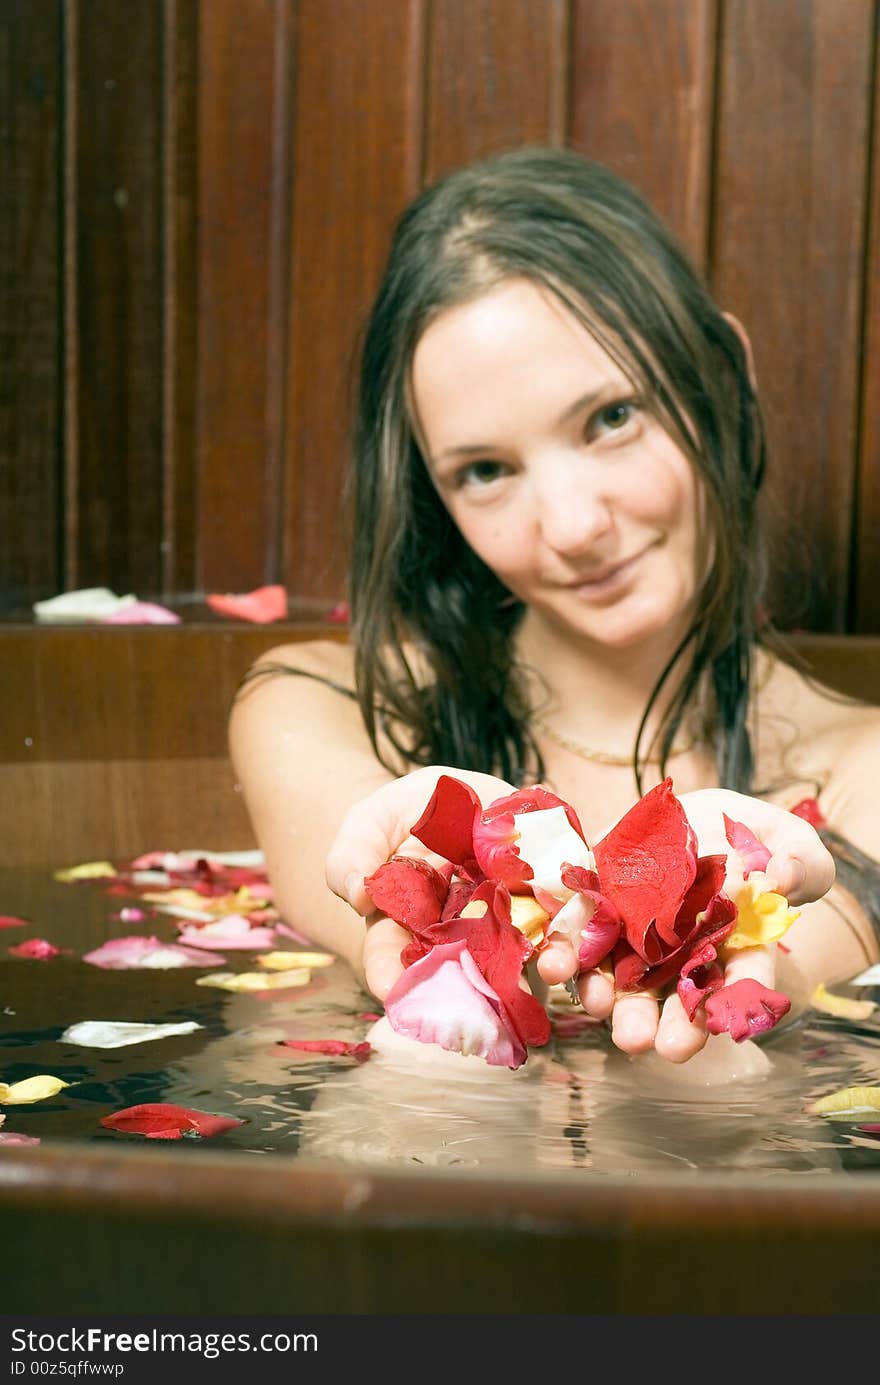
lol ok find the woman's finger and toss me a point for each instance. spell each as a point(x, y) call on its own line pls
point(679, 1038)
point(383, 945)
point(634, 1021)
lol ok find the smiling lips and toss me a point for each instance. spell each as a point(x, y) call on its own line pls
point(606, 576)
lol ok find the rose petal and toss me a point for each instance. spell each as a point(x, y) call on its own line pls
point(262, 605)
point(231, 932)
point(847, 1007)
point(447, 824)
point(10, 921)
point(121, 1033)
point(9, 1137)
point(162, 1121)
point(809, 810)
point(337, 1047)
point(38, 1088)
point(847, 1101)
point(142, 613)
point(510, 850)
point(38, 949)
point(753, 854)
point(646, 865)
point(444, 999)
point(256, 980)
point(410, 891)
point(744, 1009)
point(89, 870)
point(121, 954)
point(287, 961)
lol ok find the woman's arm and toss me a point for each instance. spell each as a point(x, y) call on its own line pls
point(302, 757)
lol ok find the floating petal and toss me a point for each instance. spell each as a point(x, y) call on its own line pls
point(121, 954)
point(163, 1121)
point(848, 1101)
point(287, 961)
point(847, 1007)
point(89, 870)
point(121, 1033)
point(339, 1048)
point(255, 980)
point(38, 949)
point(262, 605)
point(31, 1089)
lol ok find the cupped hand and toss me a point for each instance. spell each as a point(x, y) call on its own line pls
point(373, 830)
point(800, 867)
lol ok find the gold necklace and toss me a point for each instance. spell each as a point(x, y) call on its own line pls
point(604, 757)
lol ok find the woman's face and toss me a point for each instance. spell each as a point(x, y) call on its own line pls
point(555, 473)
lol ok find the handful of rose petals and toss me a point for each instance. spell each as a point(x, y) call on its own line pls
point(642, 902)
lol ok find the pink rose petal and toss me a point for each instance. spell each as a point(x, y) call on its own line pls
point(753, 854)
point(9, 1137)
point(444, 999)
point(142, 613)
point(231, 932)
point(122, 953)
point(38, 949)
point(10, 921)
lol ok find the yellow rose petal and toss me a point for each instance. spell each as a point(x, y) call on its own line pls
point(761, 919)
point(255, 980)
point(31, 1089)
point(89, 870)
point(847, 1007)
point(284, 961)
point(849, 1101)
point(527, 915)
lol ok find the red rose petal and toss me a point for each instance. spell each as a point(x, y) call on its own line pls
point(744, 1009)
point(163, 1121)
point(338, 1047)
point(39, 949)
point(408, 890)
point(262, 605)
point(809, 810)
point(447, 824)
point(646, 865)
point(10, 921)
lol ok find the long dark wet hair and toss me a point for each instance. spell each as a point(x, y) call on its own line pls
point(577, 231)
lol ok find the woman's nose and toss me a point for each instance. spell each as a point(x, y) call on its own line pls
point(574, 512)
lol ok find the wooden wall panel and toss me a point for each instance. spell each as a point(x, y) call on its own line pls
point(865, 605)
point(496, 77)
point(356, 160)
point(243, 47)
point(642, 102)
point(789, 224)
point(114, 182)
point(30, 300)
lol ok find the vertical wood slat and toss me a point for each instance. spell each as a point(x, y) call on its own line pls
point(119, 299)
point(30, 304)
point(356, 156)
point(642, 102)
point(865, 611)
point(179, 254)
point(791, 179)
point(497, 77)
point(239, 203)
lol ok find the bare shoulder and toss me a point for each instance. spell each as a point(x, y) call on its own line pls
point(816, 737)
point(329, 659)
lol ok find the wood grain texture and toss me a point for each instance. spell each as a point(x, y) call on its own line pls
point(30, 300)
point(865, 596)
point(238, 204)
point(117, 259)
point(180, 86)
point(788, 255)
point(642, 102)
point(496, 78)
point(356, 154)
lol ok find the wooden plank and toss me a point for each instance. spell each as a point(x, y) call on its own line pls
point(242, 46)
point(865, 609)
point(117, 261)
point(180, 88)
point(642, 102)
point(30, 287)
point(357, 123)
point(789, 221)
point(497, 77)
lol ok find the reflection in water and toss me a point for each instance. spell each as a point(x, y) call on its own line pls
point(578, 1104)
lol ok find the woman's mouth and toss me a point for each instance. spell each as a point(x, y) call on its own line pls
point(607, 579)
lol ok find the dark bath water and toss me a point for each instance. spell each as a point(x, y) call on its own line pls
point(578, 1104)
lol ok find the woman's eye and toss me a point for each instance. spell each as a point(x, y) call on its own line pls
point(616, 416)
point(479, 473)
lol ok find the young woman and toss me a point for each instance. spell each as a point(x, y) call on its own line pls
point(556, 577)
